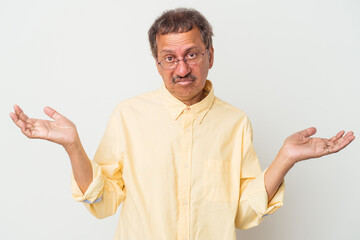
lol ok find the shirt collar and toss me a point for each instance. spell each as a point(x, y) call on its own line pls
point(175, 107)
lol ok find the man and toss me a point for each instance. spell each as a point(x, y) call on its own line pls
point(180, 159)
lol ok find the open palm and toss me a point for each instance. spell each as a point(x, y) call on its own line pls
point(301, 145)
point(61, 130)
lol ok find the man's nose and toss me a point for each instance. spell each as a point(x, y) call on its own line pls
point(182, 69)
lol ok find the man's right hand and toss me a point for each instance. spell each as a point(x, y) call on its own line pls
point(61, 131)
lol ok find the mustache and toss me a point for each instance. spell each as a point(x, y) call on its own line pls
point(188, 77)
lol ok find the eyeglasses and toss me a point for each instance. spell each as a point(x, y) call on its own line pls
point(191, 58)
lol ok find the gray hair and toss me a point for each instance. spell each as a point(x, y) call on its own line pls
point(180, 20)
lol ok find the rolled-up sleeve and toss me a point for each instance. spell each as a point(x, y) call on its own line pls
point(107, 189)
point(95, 189)
point(253, 203)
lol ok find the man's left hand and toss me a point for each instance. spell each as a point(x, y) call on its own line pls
point(301, 145)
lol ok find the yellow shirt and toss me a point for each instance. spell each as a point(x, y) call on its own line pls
point(181, 172)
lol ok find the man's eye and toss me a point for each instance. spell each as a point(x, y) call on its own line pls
point(191, 55)
point(169, 59)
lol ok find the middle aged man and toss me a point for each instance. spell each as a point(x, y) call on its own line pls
point(180, 159)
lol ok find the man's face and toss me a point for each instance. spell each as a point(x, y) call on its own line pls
point(185, 82)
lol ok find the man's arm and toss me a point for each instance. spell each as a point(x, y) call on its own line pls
point(301, 146)
point(61, 131)
point(81, 165)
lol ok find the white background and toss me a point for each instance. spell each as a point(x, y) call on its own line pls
point(288, 64)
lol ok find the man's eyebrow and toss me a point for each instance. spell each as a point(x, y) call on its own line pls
point(192, 48)
point(166, 51)
point(186, 50)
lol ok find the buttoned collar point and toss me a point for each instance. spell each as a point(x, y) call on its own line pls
point(175, 107)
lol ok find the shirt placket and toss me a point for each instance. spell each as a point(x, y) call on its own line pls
point(188, 120)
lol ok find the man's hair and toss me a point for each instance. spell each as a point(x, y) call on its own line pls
point(180, 20)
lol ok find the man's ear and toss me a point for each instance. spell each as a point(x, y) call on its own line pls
point(211, 57)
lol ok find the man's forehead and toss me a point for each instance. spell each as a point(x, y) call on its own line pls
point(180, 41)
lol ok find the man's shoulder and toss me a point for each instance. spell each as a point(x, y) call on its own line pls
point(143, 100)
point(229, 114)
point(227, 108)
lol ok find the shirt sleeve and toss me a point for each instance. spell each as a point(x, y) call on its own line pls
point(107, 189)
point(253, 204)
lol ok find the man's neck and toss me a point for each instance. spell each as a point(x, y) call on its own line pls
point(197, 98)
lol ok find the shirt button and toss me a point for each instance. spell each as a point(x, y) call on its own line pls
point(185, 202)
point(188, 108)
point(186, 165)
point(187, 129)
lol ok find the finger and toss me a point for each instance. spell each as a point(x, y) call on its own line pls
point(52, 113)
point(29, 126)
point(17, 109)
point(308, 132)
point(22, 125)
point(29, 129)
point(17, 121)
point(27, 132)
point(26, 128)
point(349, 136)
point(23, 117)
point(343, 142)
point(327, 150)
point(325, 145)
point(20, 113)
point(13, 117)
point(337, 136)
point(32, 121)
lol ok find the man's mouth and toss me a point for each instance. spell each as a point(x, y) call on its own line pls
point(184, 82)
point(188, 79)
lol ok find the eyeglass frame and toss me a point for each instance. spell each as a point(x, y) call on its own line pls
point(185, 61)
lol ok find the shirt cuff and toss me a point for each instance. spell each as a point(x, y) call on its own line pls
point(95, 190)
point(255, 194)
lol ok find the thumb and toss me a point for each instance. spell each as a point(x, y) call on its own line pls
point(308, 132)
point(52, 113)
